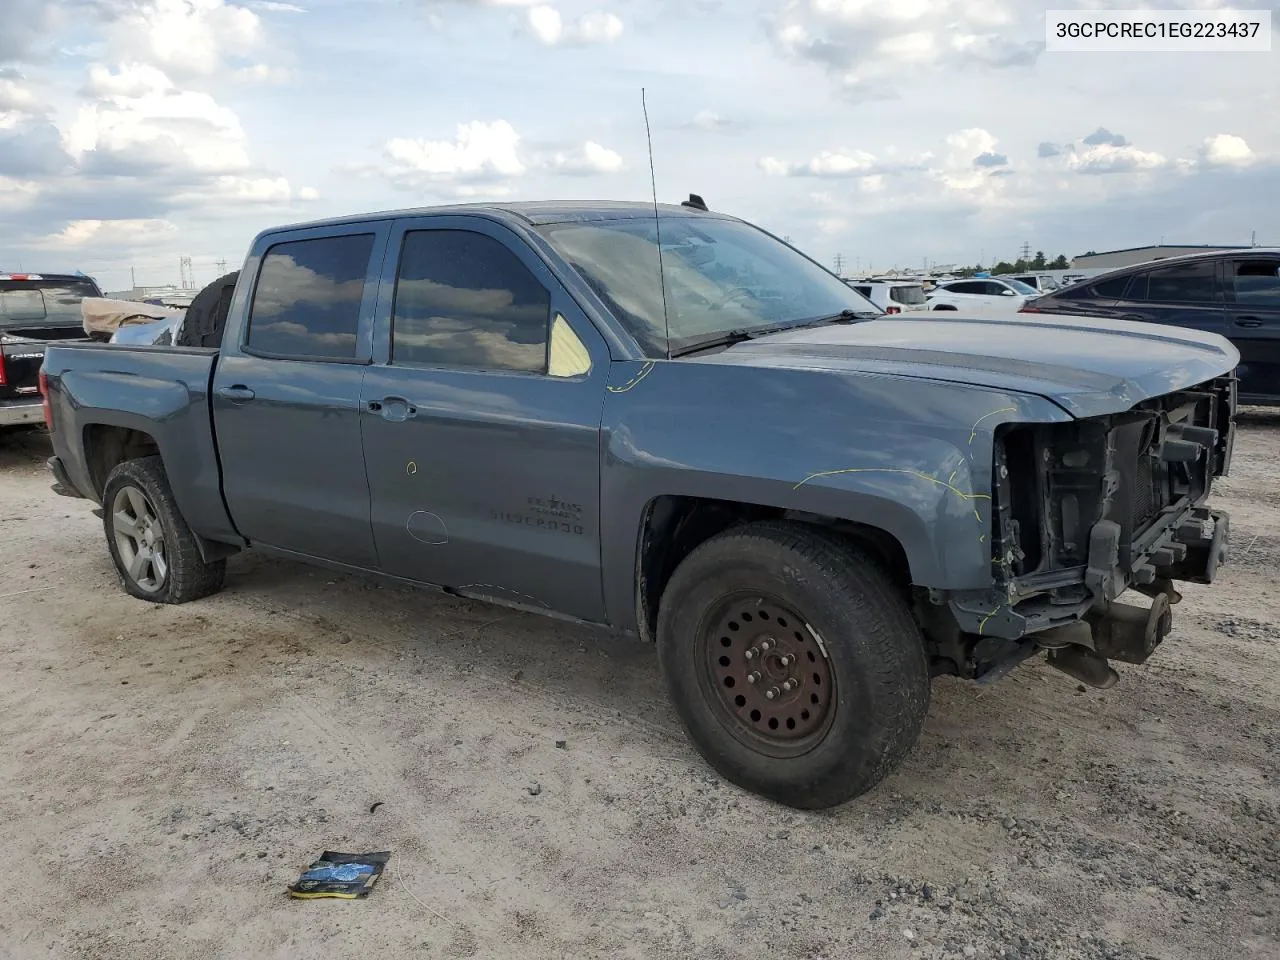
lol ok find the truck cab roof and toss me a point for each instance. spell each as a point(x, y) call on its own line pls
point(532, 212)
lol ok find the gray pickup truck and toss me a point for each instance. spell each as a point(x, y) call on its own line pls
point(680, 428)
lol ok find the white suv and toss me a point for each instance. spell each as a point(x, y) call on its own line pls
point(892, 296)
point(989, 294)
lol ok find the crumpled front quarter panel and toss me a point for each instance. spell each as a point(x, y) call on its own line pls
point(911, 457)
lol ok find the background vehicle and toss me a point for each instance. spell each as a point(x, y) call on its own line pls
point(985, 295)
point(892, 296)
point(498, 401)
point(1233, 293)
point(1039, 282)
point(35, 309)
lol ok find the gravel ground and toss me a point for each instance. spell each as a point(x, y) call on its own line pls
point(167, 771)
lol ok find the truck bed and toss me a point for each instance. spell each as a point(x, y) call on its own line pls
point(114, 393)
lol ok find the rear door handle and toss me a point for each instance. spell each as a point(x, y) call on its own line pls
point(1248, 322)
point(238, 393)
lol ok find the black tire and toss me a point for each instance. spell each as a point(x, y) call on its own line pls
point(851, 610)
point(185, 576)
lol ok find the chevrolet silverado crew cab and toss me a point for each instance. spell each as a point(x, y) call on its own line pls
point(676, 426)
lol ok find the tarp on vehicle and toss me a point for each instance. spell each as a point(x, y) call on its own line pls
point(103, 315)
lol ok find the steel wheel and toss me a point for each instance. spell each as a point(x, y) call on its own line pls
point(767, 673)
point(139, 539)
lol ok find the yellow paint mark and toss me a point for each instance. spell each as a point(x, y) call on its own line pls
point(952, 478)
point(976, 515)
point(973, 433)
point(983, 625)
point(644, 372)
point(983, 538)
point(411, 468)
point(910, 473)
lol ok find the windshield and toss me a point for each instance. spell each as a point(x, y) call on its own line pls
point(721, 276)
point(43, 303)
point(910, 295)
point(1022, 288)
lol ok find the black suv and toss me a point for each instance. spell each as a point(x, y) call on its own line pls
point(1233, 293)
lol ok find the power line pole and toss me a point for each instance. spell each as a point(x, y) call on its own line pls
point(186, 277)
point(1025, 254)
point(839, 264)
point(221, 264)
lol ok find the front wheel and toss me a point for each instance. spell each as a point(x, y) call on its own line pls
point(794, 663)
point(155, 552)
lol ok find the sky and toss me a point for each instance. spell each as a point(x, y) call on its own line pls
point(889, 132)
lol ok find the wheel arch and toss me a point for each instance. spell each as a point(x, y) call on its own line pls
point(673, 526)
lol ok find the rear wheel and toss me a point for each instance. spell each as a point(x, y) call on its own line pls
point(155, 552)
point(794, 663)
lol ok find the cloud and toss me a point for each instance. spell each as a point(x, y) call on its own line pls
point(16, 99)
point(548, 27)
point(275, 6)
point(989, 159)
point(864, 44)
point(712, 122)
point(182, 37)
point(835, 164)
point(589, 159)
point(1226, 150)
point(25, 25)
point(480, 153)
point(143, 122)
point(32, 149)
point(109, 233)
point(1106, 158)
point(1104, 137)
point(1046, 150)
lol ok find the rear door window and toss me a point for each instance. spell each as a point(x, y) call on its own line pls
point(1184, 283)
point(966, 286)
point(307, 301)
point(1256, 282)
point(911, 296)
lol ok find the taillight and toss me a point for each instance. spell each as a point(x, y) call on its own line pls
point(4, 375)
point(893, 310)
point(1030, 307)
point(44, 397)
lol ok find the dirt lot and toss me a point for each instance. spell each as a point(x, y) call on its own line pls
point(166, 771)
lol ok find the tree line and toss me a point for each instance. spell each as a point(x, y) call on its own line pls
point(1038, 262)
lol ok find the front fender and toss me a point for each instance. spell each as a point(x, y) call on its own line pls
point(910, 457)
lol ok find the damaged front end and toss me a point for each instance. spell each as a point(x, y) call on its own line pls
point(1081, 512)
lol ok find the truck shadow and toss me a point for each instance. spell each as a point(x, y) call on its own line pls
point(1258, 417)
point(24, 447)
point(1020, 737)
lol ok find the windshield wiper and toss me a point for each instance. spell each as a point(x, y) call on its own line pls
point(730, 337)
point(844, 316)
point(726, 339)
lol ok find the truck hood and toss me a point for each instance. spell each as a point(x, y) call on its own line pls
point(1088, 366)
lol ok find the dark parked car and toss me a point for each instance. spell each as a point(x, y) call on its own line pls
point(812, 508)
point(1232, 293)
point(35, 308)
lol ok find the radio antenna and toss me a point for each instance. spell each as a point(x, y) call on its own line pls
point(657, 224)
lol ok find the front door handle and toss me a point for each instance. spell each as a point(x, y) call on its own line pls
point(238, 393)
point(1248, 322)
point(395, 409)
